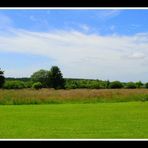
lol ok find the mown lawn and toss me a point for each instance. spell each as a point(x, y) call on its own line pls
point(100, 120)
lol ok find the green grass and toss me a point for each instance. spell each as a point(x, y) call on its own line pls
point(100, 120)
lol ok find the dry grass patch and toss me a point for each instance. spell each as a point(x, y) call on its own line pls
point(31, 96)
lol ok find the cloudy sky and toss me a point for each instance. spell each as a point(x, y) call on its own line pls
point(96, 44)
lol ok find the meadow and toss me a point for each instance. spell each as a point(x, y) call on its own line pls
point(52, 96)
point(75, 121)
point(75, 113)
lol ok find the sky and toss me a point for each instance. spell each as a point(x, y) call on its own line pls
point(107, 44)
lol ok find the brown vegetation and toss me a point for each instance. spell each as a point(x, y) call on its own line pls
point(30, 96)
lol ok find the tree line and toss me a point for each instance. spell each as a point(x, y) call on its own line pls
point(53, 78)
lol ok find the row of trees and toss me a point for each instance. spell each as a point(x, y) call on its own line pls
point(99, 84)
point(53, 78)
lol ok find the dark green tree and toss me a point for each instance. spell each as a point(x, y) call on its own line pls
point(131, 85)
point(146, 85)
point(115, 84)
point(2, 78)
point(56, 78)
point(41, 76)
point(107, 84)
point(139, 84)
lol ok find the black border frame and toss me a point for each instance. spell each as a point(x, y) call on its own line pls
point(73, 3)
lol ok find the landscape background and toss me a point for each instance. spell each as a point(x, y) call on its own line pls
point(73, 73)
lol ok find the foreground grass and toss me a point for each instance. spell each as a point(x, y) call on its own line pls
point(51, 96)
point(102, 120)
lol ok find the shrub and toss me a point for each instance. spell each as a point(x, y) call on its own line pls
point(115, 84)
point(94, 85)
point(71, 86)
point(28, 84)
point(14, 85)
point(130, 85)
point(37, 85)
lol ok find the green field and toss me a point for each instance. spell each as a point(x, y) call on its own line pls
point(100, 120)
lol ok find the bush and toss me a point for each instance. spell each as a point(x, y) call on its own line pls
point(37, 85)
point(14, 85)
point(94, 85)
point(115, 84)
point(131, 85)
point(28, 84)
point(71, 86)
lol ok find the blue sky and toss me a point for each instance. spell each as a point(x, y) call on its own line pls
point(99, 44)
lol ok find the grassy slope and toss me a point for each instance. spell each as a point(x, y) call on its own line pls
point(102, 120)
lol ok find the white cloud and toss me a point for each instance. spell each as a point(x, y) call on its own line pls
point(85, 27)
point(107, 14)
point(137, 55)
point(83, 55)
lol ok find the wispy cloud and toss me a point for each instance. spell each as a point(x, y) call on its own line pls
point(135, 26)
point(80, 54)
point(107, 14)
point(112, 27)
point(137, 55)
point(5, 21)
point(84, 27)
point(33, 18)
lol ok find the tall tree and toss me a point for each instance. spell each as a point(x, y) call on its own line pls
point(41, 76)
point(56, 78)
point(2, 78)
point(139, 84)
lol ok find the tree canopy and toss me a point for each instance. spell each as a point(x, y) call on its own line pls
point(56, 78)
point(41, 76)
point(49, 79)
point(2, 78)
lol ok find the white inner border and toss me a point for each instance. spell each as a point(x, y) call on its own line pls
point(75, 8)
